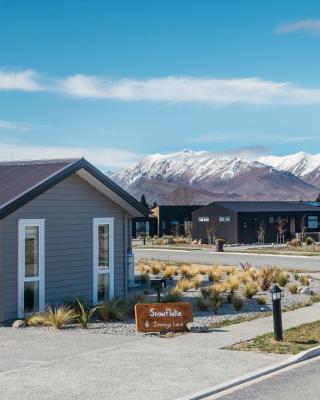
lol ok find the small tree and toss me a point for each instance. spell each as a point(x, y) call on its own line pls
point(281, 225)
point(261, 232)
point(212, 230)
point(303, 228)
point(143, 201)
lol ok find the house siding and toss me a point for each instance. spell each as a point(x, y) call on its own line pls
point(68, 209)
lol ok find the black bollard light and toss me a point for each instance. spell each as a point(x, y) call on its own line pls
point(276, 307)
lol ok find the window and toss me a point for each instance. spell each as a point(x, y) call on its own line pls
point(225, 219)
point(271, 220)
point(163, 225)
point(313, 222)
point(203, 219)
point(142, 228)
point(30, 266)
point(103, 259)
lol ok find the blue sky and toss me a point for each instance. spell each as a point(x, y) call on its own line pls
point(115, 80)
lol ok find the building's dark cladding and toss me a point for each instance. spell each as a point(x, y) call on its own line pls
point(239, 222)
point(174, 219)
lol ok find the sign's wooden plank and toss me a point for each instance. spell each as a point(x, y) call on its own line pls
point(163, 317)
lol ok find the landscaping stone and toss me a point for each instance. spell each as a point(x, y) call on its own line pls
point(197, 327)
point(19, 323)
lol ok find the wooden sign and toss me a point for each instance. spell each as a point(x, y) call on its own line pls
point(163, 317)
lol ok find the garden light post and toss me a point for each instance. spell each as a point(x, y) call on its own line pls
point(276, 307)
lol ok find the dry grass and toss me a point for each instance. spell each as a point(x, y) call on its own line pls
point(282, 278)
point(186, 271)
point(304, 280)
point(203, 270)
point(293, 288)
point(196, 282)
point(183, 285)
point(169, 272)
point(250, 289)
point(155, 268)
point(229, 270)
point(232, 283)
point(215, 274)
point(262, 300)
point(54, 317)
point(238, 303)
point(266, 276)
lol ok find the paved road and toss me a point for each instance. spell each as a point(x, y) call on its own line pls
point(311, 264)
point(299, 383)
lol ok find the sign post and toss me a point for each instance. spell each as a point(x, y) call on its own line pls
point(163, 317)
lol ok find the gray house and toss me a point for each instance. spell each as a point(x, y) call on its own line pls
point(65, 232)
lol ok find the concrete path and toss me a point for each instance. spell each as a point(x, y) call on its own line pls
point(37, 364)
point(303, 263)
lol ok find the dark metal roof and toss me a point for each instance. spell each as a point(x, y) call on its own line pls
point(21, 181)
point(269, 206)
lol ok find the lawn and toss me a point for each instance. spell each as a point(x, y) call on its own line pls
point(295, 340)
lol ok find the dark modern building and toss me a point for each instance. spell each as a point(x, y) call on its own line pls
point(241, 221)
point(165, 220)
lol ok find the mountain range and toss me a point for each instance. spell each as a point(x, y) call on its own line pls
point(199, 177)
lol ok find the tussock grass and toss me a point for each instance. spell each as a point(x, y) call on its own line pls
point(183, 285)
point(54, 317)
point(113, 310)
point(250, 289)
point(304, 280)
point(203, 304)
point(293, 288)
point(238, 303)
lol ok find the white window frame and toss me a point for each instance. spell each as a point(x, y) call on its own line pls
point(22, 224)
point(95, 224)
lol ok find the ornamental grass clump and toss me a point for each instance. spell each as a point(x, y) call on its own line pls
point(84, 315)
point(249, 290)
point(183, 285)
point(282, 279)
point(216, 301)
point(238, 303)
point(232, 283)
point(293, 288)
point(244, 277)
point(304, 280)
point(261, 300)
point(54, 317)
point(155, 268)
point(186, 271)
point(168, 272)
point(131, 301)
point(295, 275)
point(203, 304)
point(196, 282)
point(214, 274)
point(172, 296)
point(203, 270)
point(266, 276)
point(229, 270)
point(113, 310)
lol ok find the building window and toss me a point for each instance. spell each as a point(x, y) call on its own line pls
point(203, 219)
point(225, 219)
point(163, 225)
point(142, 228)
point(271, 220)
point(103, 259)
point(313, 222)
point(31, 266)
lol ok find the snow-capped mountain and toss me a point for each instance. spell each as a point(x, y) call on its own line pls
point(303, 165)
point(200, 177)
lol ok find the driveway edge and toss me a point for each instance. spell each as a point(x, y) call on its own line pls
point(303, 356)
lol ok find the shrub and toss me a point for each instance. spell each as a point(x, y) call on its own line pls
point(245, 266)
point(196, 282)
point(203, 270)
point(250, 290)
point(172, 296)
point(218, 288)
point(245, 277)
point(168, 272)
point(55, 317)
point(215, 300)
point(282, 279)
point(131, 301)
point(215, 274)
point(261, 300)
point(84, 314)
point(203, 304)
point(266, 277)
point(205, 292)
point(309, 241)
point(293, 288)
point(304, 280)
point(183, 285)
point(113, 310)
point(229, 270)
point(232, 283)
point(295, 243)
point(295, 275)
point(186, 272)
point(155, 268)
point(238, 302)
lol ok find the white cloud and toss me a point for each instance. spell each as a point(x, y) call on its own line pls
point(105, 158)
point(15, 126)
point(25, 80)
point(217, 92)
point(188, 89)
point(305, 25)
